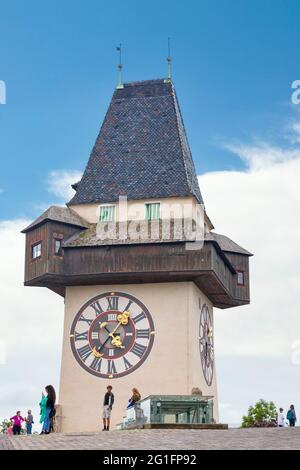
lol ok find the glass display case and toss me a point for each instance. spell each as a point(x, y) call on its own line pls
point(170, 409)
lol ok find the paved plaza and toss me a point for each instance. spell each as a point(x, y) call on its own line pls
point(168, 439)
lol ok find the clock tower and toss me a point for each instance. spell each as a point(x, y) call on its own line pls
point(137, 260)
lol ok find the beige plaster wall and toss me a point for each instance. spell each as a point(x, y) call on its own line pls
point(135, 210)
point(197, 300)
point(173, 366)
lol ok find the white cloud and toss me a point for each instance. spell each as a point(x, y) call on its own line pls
point(260, 210)
point(263, 154)
point(31, 327)
point(60, 181)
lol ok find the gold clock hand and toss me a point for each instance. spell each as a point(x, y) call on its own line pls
point(114, 330)
point(96, 352)
point(116, 341)
point(122, 319)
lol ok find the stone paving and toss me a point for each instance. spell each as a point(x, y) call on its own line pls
point(5, 443)
point(169, 439)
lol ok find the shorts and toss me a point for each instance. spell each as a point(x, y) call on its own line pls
point(106, 412)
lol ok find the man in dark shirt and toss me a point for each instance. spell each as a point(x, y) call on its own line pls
point(107, 407)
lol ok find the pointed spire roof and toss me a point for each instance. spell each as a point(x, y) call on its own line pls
point(142, 150)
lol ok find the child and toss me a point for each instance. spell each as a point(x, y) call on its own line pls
point(280, 419)
point(17, 422)
point(29, 422)
point(9, 430)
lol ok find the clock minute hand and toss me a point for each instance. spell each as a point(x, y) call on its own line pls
point(102, 345)
point(103, 325)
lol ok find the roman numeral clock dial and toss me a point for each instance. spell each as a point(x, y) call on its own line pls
point(112, 335)
point(206, 344)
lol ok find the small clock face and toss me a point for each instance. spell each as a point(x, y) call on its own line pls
point(112, 335)
point(206, 344)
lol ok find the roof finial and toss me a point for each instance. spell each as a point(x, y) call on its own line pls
point(120, 66)
point(169, 60)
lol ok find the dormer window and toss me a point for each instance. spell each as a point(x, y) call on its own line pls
point(36, 250)
point(153, 211)
point(107, 214)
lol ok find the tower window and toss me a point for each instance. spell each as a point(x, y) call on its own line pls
point(107, 213)
point(240, 278)
point(153, 211)
point(36, 250)
point(57, 243)
point(57, 246)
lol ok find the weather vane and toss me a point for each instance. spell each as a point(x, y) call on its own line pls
point(120, 66)
point(169, 60)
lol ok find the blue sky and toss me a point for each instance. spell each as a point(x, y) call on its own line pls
point(234, 61)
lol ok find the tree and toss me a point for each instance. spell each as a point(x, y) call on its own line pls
point(262, 414)
point(4, 425)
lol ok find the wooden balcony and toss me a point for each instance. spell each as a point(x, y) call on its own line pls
point(212, 270)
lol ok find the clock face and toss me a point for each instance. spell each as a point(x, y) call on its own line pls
point(206, 344)
point(112, 335)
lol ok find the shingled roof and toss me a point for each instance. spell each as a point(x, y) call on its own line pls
point(174, 233)
point(142, 149)
point(61, 214)
point(226, 244)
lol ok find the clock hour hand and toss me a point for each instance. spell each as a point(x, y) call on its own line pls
point(115, 340)
point(122, 320)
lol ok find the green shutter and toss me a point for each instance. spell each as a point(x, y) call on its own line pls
point(153, 211)
point(107, 214)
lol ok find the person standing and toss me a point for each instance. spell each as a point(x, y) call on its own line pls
point(280, 419)
point(29, 422)
point(107, 407)
point(47, 409)
point(17, 422)
point(291, 416)
point(9, 430)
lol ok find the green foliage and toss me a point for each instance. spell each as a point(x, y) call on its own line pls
point(4, 426)
point(262, 415)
